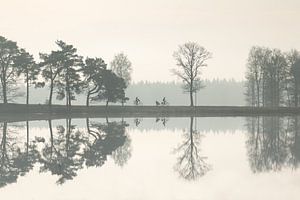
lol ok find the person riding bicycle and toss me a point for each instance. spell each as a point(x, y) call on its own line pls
point(157, 103)
point(137, 101)
point(164, 101)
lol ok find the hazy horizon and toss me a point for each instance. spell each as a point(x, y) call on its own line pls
point(149, 32)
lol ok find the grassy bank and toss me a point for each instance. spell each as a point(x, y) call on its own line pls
point(21, 112)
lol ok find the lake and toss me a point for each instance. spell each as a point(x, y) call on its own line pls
point(151, 158)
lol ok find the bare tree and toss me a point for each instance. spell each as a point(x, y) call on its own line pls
point(121, 66)
point(257, 60)
point(190, 59)
point(293, 82)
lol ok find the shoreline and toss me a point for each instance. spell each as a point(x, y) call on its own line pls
point(32, 112)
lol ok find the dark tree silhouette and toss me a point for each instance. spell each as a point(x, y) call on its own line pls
point(29, 69)
point(51, 68)
point(93, 71)
point(70, 81)
point(9, 53)
point(113, 89)
point(190, 59)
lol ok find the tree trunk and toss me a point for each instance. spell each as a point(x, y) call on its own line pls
point(67, 89)
point(3, 142)
point(27, 142)
point(4, 92)
point(191, 91)
point(88, 99)
point(263, 93)
point(27, 89)
point(191, 134)
point(258, 97)
point(68, 134)
point(70, 99)
point(191, 97)
point(107, 103)
point(296, 95)
point(51, 137)
point(67, 100)
point(51, 93)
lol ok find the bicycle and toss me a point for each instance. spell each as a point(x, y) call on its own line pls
point(164, 103)
point(137, 102)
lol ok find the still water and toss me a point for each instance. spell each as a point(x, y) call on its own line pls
point(175, 158)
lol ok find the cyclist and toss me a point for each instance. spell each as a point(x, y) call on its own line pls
point(137, 101)
point(157, 103)
point(164, 101)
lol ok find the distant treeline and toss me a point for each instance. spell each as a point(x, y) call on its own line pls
point(215, 92)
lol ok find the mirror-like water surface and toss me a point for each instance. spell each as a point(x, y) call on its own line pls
point(177, 158)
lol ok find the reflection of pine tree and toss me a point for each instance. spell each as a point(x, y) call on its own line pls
point(110, 139)
point(63, 155)
point(14, 160)
point(190, 165)
point(67, 151)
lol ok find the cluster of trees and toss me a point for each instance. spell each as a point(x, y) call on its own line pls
point(273, 77)
point(65, 72)
point(65, 152)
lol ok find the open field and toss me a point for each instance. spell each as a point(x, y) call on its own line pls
point(20, 112)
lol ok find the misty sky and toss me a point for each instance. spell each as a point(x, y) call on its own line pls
point(149, 31)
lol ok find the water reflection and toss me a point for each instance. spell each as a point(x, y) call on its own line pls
point(273, 143)
point(137, 121)
point(190, 164)
point(15, 160)
point(163, 120)
point(67, 151)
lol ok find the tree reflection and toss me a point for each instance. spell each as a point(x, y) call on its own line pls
point(190, 164)
point(163, 120)
point(62, 156)
point(110, 138)
point(67, 150)
point(137, 121)
point(294, 141)
point(273, 143)
point(15, 161)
